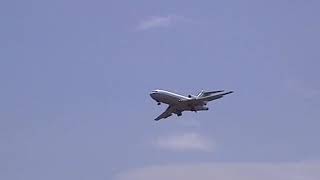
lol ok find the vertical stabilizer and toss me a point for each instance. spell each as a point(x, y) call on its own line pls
point(201, 93)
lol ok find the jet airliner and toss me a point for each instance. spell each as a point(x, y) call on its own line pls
point(179, 103)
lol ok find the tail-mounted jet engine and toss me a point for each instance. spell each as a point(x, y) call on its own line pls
point(192, 96)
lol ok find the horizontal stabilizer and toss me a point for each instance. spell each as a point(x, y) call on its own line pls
point(202, 99)
point(208, 93)
point(227, 93)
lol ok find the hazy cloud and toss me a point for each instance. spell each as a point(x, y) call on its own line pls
point(185, 142)
point(226, 171)
point(159, 21)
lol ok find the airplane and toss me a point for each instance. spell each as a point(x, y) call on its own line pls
point(179, 103)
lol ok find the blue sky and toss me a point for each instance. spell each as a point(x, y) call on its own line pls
point(76, 75)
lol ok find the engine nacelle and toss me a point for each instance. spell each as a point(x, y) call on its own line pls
point(200, 108)
point(192, 96)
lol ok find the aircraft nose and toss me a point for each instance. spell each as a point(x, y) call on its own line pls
point(153, 95)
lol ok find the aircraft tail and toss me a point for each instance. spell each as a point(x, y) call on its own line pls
point(208, 93)
point(213, 97)
point(227, 93)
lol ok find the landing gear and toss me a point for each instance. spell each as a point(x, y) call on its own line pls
point(159, 103)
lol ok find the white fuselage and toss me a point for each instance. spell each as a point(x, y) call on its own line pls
point(173, 99)
point(167, 97)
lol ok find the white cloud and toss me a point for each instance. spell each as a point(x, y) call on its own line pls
point(185, 142)
point(226, 171)
point(159, 21)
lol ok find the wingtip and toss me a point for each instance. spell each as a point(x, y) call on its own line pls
point(227, 93)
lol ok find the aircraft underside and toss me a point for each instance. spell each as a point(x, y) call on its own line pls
point(178, 103)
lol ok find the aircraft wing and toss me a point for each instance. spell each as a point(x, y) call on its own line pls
point(168, 112)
